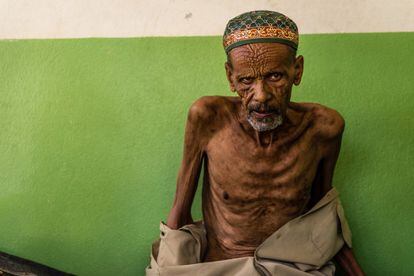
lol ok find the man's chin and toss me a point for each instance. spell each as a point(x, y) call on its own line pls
point(265, 124)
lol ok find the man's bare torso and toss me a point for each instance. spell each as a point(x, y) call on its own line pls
point(251, 188)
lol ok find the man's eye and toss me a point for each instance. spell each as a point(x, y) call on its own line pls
point(275, 76)
point(246, 80)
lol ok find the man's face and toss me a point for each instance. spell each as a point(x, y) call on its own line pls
point(263, 74)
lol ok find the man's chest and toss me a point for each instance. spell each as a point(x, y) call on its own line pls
point(240, 169)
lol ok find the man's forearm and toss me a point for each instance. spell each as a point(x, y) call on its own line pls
point(346, 259)
point(179, 217)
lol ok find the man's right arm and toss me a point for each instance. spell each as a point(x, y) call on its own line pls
point(195, 140)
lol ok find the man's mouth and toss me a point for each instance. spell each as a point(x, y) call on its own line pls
point(262, 115)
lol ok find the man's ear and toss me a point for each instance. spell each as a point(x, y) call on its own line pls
point(229, 73)
point(298, 70)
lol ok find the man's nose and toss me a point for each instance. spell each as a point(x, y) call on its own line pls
point(261, 93)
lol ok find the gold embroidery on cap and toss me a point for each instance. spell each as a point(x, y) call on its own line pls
point(261, 32)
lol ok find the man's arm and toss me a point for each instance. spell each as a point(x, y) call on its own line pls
point(195, 140)
point(345, 256)
point(332, 133)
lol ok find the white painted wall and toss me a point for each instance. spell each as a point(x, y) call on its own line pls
point(131, 18)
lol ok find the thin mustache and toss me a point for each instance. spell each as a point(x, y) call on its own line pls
point(263, 109)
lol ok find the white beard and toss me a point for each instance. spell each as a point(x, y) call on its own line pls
point(265, 124)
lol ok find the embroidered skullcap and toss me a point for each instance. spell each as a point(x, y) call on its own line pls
point(260, 26)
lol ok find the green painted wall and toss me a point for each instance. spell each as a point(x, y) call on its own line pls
point(91, 140)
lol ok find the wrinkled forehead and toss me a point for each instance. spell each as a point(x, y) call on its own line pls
point(260, 54)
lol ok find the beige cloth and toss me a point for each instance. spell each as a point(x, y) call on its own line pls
point(303, 246)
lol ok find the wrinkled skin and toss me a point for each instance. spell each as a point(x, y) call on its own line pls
point(267, 160)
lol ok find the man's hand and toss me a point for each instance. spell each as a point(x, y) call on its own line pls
point(347, 261)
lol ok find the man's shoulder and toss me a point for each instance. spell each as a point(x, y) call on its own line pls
point(207, 108)
point(327, 122)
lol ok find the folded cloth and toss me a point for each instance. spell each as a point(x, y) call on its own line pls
point(303, 246)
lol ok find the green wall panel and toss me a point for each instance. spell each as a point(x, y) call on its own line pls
point(91, 141)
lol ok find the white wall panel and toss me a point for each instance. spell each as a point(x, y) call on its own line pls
point(130, 18)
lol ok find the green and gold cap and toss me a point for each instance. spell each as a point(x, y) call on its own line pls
point(260, 26)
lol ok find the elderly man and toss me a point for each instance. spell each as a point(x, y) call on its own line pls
point(268, 203)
